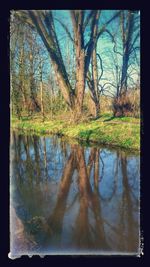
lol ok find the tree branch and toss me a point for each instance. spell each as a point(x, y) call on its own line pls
point(93, 39)
point(66, 29)
point(107, 23)
point(101, 65)
point(88, 18)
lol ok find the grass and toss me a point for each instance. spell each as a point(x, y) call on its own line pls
point(123, 132)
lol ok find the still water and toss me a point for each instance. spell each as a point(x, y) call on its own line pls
point(67, 198)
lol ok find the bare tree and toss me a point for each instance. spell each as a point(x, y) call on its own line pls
point(130, 32)
point(43, 22)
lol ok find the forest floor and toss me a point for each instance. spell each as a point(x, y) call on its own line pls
point(123, 131)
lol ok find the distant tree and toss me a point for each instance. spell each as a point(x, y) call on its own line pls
point(123, 60)
point(32, 57)
point(17, 68)
point(26, 56)
point(130, 32)
point(93, 81)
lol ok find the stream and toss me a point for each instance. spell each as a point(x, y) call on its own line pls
point(67, 198)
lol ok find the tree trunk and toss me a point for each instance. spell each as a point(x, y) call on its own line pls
point(49, 40)
point(43, 22)
point(93, 84)
point(80, 83)
point(122, 105)
point(46, 29)
point(35, 104)
point(42, 106)
point(41, 91)
point(97, 109)
point(127, 35)
point(123, 87)
point(77, 20)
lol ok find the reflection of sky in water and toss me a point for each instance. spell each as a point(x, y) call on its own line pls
point(118, 196)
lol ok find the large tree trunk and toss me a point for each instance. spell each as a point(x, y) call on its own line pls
point(80, 81)
point(77, 22)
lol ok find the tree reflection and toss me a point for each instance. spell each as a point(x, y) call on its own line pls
point(87, 235)
point(42, 212)
point(127, 220)
point(55, 221)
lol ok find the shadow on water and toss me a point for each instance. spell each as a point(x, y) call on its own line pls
point(71, 198)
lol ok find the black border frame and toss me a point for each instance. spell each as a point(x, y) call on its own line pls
point(5, 127)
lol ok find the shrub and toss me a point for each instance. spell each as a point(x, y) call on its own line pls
point(127, 105)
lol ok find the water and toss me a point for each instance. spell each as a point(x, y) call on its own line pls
point(67, 198)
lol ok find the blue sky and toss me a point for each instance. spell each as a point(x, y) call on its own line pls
point(104, 47)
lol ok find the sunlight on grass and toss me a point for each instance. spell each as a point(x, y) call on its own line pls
point(125, 133)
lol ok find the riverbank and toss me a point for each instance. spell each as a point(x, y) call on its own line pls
point(123, 132)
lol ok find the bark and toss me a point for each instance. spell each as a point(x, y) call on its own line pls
point(77, 22)
point(97, 105)
point(95, 83)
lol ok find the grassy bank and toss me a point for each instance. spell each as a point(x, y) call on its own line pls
point(123, 132)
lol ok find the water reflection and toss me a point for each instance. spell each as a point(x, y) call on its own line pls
point(69, 198)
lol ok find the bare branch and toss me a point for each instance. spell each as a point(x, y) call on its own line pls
point(66, 29)
point(93, 39)
point(117, 52)
point(109, 83)
point(132, 46)
point(107, 23)
point(88, 19)
point(101, 65)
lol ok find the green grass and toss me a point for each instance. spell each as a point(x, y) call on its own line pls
point(123, 132)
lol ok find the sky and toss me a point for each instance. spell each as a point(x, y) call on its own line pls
point(104, 46)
